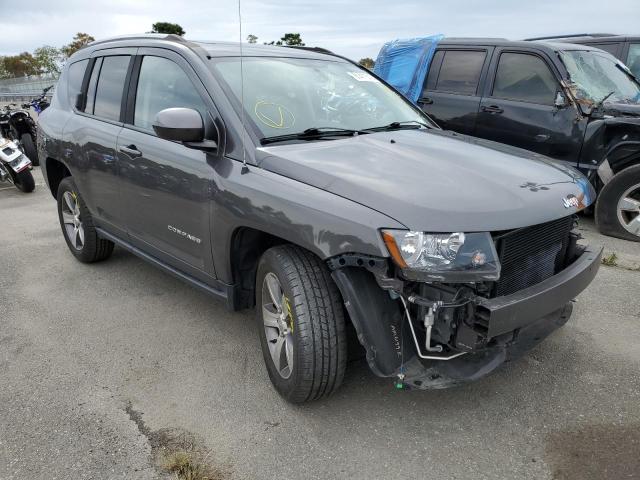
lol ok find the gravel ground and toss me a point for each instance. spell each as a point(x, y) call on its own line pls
point(97, 360)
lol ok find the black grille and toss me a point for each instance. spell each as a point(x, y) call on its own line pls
point(532, 254)
point(7, 150)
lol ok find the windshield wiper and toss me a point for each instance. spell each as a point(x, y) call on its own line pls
point(400, 125)
point(599, 103)
point(312, 134)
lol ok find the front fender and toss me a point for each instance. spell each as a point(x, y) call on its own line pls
point(612, 140)
point(319, 221)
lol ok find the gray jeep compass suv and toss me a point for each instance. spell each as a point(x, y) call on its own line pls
point(297, 182)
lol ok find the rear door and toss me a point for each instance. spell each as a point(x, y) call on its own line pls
point(93, 129)
point(166, 186)
point(633, 58)
point(451, 90)
point(518, 107)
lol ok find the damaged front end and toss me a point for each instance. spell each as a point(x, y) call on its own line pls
point(436, 334)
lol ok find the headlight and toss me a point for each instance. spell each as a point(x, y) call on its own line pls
point(449, 257)
point(20, 163)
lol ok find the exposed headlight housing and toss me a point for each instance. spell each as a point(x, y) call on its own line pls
point(443, 257)
point(20, 163)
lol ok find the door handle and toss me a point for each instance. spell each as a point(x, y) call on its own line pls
point(492, 109)
point(542, 137)
point(425, 101)
point(131, 150)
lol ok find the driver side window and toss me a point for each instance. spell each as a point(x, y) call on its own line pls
point(163, 84)
point(524, 78)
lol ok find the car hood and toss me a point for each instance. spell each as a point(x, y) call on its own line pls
point(436, 181)
point(622, 109)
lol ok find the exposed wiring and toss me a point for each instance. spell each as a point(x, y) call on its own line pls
point(415, 338)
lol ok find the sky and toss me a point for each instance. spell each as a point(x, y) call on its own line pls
point(356, 28)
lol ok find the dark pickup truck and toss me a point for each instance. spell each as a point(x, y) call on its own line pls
point(624, 47)
point(574, 103)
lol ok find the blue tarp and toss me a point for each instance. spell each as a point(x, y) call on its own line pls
point(404, 63)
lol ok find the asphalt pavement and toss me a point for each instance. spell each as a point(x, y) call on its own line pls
point(97, 361)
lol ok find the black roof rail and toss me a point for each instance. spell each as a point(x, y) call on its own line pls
point(572, 35)
point(141, 36)
point(488, 39)
point(311, 49)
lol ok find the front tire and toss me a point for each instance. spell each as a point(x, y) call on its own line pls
point(24, 181)
point(618, 205)
point(29, 148)
point(77, 225)
point(301, 323)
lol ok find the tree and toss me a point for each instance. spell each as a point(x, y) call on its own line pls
point(288, 39)
point(3, 71)
point(80, 40)
point(367, 63)
point(292, 39)
point(252, 38)
point(48, 59)
point(20, 65)
point(168, 28)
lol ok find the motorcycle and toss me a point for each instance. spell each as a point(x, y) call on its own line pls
point(17, 125)
point(39, 103)
point(15, 166)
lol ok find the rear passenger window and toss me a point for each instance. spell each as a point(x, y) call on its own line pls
point(460, 71)
point(633, 59)
point(74, 80)
point(91, 89)
point(434, 69)
point(611, 48)
point(526, 78)
point(110, 87)
point(163, 84)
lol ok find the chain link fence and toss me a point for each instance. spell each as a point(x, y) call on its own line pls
point(23, 88)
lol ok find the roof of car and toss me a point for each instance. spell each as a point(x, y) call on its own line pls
point(589, 37)
point(503, 42)
point(216, 49)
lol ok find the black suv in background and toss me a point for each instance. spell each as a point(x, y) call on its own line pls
point(574, 103)
point(623, 47)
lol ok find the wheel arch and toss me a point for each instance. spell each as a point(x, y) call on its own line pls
point(623, 155)
point(56, 171)
point(246, 248)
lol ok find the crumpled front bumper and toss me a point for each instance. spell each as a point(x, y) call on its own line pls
point(519, 321)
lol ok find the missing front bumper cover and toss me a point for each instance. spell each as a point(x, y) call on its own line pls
point(512, 325)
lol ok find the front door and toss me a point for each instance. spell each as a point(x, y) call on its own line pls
point(166, 186)
point(519, 109)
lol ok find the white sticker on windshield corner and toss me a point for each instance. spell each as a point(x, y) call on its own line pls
point(363, 77)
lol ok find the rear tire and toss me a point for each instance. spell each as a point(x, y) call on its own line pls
point(24, 181)
point(610, 219)
point(312, 317)
point(30, 148)
point(77, 225)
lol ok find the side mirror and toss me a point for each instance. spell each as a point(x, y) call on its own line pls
point(560, 101)
point(182, 125)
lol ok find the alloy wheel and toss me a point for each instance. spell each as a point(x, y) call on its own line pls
point(278, 324)
point(72, 220)
point(629, 210)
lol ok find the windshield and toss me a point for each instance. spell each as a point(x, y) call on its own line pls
point(595, 75)
point(289, 95)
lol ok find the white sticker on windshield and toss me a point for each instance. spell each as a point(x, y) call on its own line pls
point(363, 77)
